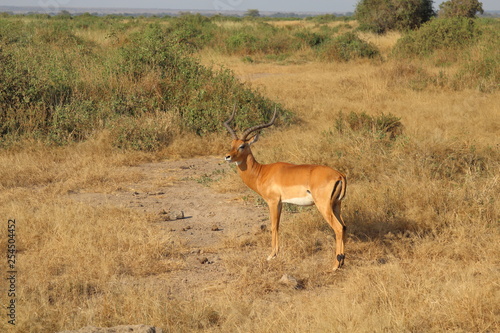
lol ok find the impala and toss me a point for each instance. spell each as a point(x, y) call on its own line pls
point(281, 182)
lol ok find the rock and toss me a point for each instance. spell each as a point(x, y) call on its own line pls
point(289, 280)
point(292, 282)
point(205, 261)
point(171, 215)
point(118, 329)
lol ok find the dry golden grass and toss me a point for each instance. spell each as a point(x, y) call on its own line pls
point(383, 42)
point(422, 214)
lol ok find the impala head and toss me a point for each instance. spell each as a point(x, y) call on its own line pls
point(240, 147)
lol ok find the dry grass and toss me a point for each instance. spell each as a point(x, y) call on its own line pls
point(422, 213)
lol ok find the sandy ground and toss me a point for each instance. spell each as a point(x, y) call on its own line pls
point(175, 195)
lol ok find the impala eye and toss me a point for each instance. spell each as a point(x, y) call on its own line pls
point(241, 147)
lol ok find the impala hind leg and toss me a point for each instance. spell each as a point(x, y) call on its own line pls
point(339, 228)
point(330, 209)
point(340, 239)
point(275, 214)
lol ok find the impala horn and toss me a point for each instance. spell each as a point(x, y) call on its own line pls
point(259, 127)
point(226, 123)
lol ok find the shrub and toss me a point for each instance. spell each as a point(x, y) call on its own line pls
point(192, 31)
point(346, 47)
point(130, 87)
point(310, 38)
point(480, 67)
point(241, 42)
point(380, 16)
point(259, 38)
point(455, 33)
point(203, 97)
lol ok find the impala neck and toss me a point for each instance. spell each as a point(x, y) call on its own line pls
point(249, 170)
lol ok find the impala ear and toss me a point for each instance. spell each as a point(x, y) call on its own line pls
point(254, 139)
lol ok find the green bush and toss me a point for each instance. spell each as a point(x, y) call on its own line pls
point(346, 47)
point(480, 66)
point(127, 87)
point(454, 33)
point(203, 97)
point(379, 16)
point(192, 31)
point(470, 45)
point(260, 38)
point(241, 42)
point(310, 38)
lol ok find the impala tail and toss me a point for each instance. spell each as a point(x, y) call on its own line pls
point(343, 184)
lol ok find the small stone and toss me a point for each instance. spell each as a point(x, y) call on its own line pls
point(204, 261)
point(171, 215)
point(289, 280)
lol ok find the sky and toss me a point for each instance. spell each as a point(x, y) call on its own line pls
point(330, 6)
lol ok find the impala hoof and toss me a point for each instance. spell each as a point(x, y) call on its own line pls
point(340, 260)
point(271, 257)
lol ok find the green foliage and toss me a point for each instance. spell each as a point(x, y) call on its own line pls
point(455, 33)
point(193, 31)
point(61, 82)
point(260, 38)
point(241, 42)
point(346, 47)
point(471, 44)
point(481, 68)
point(129, 87)
point(379, 16)
point(460, 8)
point(311, 38)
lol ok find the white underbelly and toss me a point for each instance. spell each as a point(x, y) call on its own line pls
point(303, 201)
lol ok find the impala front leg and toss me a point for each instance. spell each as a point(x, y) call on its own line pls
point(275, 214)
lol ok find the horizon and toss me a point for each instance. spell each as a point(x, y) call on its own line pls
point(290, 6)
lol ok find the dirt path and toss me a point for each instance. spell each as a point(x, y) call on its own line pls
point(208, 220)
point(171, 189)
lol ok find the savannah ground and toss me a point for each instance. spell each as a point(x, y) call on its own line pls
point(94, 245)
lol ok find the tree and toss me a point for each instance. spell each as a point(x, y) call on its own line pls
point(380, 16)
point(64, 14)
point(460, 8)
point(252, 13)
